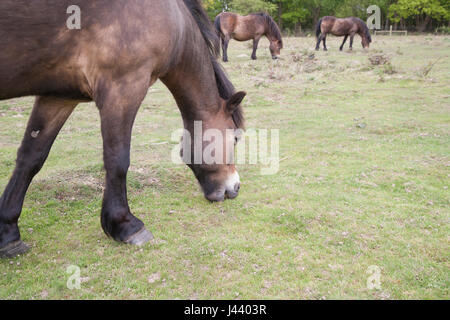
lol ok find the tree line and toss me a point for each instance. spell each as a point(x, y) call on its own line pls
point(297, 15)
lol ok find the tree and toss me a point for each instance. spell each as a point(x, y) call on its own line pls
point(252, 6)
point(293, 13)
point(423, 11)
point(320, 8)
point(214, 7)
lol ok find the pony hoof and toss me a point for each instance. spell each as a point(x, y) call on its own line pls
point(141, 237)
point(14, 249)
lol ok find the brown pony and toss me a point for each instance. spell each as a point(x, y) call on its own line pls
point(342, 27)
point(122, 48)
point(243, 28)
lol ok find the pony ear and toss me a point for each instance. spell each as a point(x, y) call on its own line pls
point(235, 101)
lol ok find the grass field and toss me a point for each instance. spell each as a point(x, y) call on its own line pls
point(363, 181)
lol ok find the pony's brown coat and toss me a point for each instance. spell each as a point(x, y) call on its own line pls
point(347, 27)
point(251, 27)
point(123, 47)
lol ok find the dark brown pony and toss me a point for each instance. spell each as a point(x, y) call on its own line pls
point(243, 28)
point(342, 27)
point(122, 48)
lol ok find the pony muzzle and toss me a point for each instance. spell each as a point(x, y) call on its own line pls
point(230, 190)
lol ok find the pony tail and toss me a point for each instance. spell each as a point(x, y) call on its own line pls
point(319, 28)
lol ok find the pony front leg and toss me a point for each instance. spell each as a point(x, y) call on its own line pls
point(255, 47)
point(352, 37)
point(343, 43)
point(47, 118)
point(117, 112)
point(225, 42)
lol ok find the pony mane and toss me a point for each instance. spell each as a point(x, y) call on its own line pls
point(274, 30)
point(224, 85)
point(364, 27)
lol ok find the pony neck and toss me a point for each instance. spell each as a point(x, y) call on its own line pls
point(194, 89)
point(269, 32)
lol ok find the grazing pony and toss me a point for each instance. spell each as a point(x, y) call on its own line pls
point(342, 27)
point(243, 28)
point(122, 48)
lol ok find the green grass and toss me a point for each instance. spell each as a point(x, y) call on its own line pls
point(363, 181)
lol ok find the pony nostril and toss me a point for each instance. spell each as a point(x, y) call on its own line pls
point(216, 197)
point(237, 186)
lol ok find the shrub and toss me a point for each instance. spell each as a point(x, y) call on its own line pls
point(443, 30)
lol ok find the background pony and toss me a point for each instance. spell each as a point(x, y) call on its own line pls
point(243, 28)
point(342, 27)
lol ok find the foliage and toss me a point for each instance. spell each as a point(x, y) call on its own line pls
point(252, 6)
point(413, 8)
point(214, 7)
point(443, 30)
